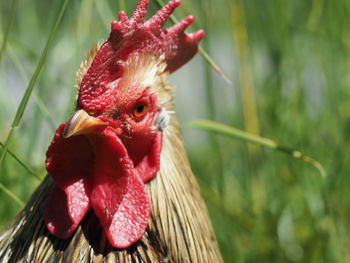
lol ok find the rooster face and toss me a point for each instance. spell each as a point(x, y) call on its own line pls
point(111, 146)
point(138, 102)
point(138, 119)
point(138, 108)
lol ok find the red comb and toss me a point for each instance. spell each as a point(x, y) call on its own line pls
point(136, 35)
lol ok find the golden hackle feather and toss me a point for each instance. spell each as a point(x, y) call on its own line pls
point(179, 229)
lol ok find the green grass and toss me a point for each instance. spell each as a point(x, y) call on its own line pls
point(293, 57)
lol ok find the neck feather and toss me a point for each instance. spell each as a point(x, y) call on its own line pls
point(178, 210)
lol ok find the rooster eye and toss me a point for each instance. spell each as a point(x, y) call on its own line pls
point(140, 110)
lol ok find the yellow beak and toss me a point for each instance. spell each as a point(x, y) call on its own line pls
point(81, 123)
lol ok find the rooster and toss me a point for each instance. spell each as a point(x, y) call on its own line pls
point(120, 187)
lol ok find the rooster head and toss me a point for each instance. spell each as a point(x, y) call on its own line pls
point(103, 156)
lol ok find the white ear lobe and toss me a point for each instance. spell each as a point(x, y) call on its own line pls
point(162, 120)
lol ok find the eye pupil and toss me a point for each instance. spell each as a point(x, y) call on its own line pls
point(140, 110)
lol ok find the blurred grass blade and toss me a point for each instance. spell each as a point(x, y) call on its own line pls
point(204, 54)
point(29, 170)
point(210, 99)
point(121, 5)
point(11, 195)
point(8, 28)
point(84, 19)
point(105, 13)
point(211, 62)
point(39, 102)
point(223, 129)
point(250, 112)
point(30, 87)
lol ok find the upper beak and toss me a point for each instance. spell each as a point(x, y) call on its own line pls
point(81, 123)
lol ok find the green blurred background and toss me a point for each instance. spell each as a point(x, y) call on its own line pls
point(289, 62)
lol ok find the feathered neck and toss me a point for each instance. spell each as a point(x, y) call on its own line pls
point(178, 210)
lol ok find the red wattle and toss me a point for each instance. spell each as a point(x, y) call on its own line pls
point(56, 216)
point(97, 169)
point(69, 162)
point(148, 167)
point(124, 216)
point(119, 197)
